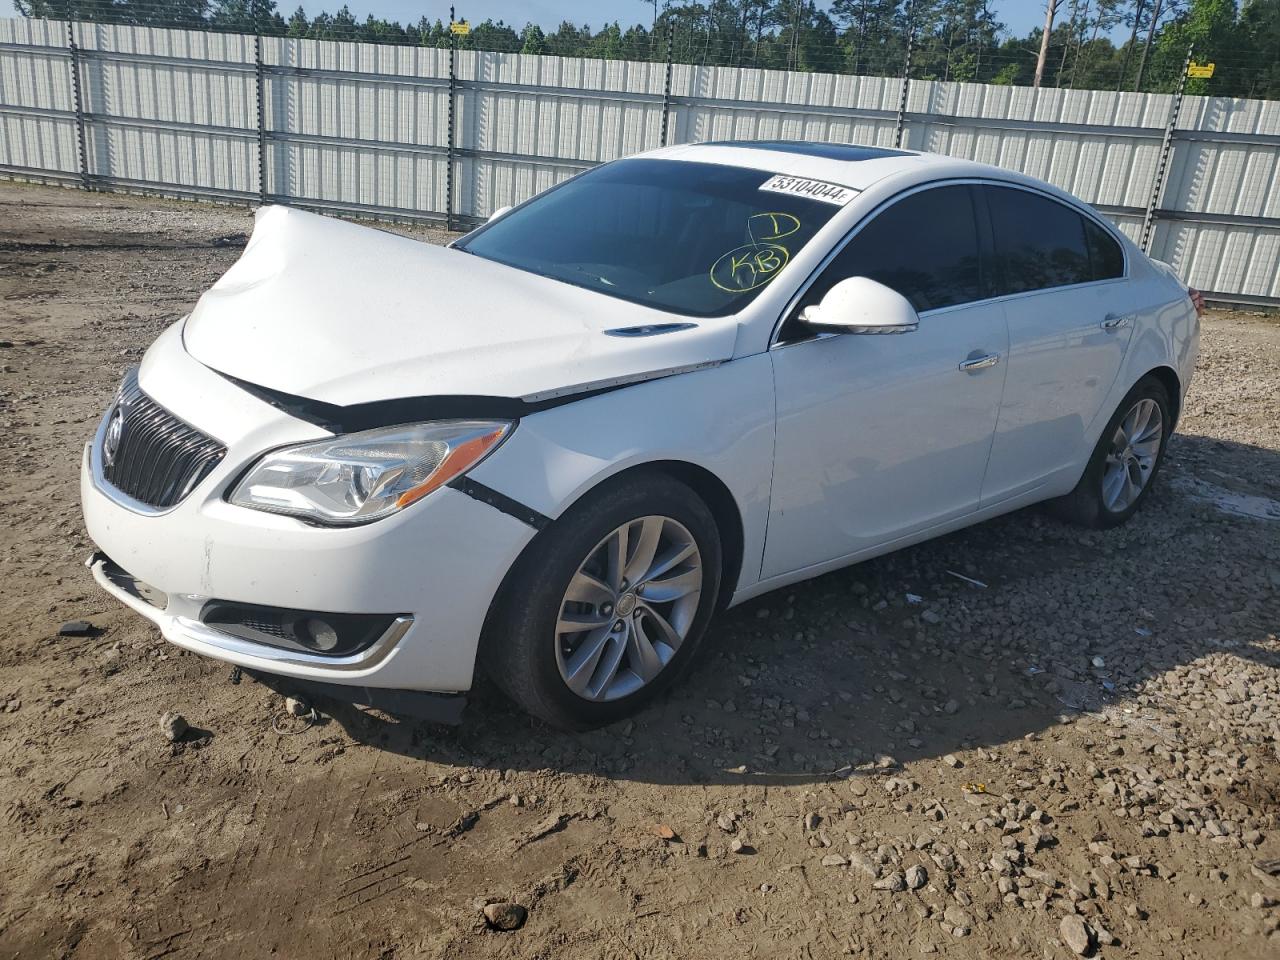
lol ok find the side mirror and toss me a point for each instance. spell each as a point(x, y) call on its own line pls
point(861, 305)
point(500, 212)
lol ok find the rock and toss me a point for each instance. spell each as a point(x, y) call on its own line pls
point(863, 864)
point(951, 706)
point(727, 822)
point(76, 628)
point(894, 883)
point(958, 921)
point(296, 707)
point(174, 726)
point(1040, 876)
point(811, 821)
point(663, 831)
point(1076, 934)
point(505, 915)
point(952, 761)
point(834, 860)
point(916, 877)
point(1260, 901)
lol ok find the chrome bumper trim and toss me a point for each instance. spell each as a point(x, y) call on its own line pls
point(201, 635)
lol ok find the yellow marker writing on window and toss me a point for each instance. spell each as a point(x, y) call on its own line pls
point(749, 266)
point(772, 226)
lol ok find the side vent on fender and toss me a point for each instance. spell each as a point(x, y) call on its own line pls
point(649, 329)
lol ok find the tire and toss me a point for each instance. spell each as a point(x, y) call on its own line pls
point(523, 649)
point(1093, 502)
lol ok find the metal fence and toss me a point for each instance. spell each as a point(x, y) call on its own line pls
point(425, 133)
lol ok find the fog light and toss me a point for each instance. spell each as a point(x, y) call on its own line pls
point(317, 634)
point(304, 631)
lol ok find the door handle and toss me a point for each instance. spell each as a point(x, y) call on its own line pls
point(1114, 321)
point(980, 363)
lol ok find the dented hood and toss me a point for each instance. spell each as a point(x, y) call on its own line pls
point(330, 311)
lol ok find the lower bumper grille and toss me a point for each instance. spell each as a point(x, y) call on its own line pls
point(150, 455)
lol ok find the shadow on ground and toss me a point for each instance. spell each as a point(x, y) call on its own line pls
point(808, 682)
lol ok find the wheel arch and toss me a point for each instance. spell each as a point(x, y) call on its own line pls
point(1168, 378)
point(719, 499)
point(710, 488)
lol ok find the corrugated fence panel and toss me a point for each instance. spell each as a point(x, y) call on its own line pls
point(37, 110)
point(365, 128)
point(527, 122)
point(357, 124)
point(1225, 164)
point(1101, 146)
point(740, 103)
point(175, 108)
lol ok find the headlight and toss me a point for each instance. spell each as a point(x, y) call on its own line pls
point(361, 477)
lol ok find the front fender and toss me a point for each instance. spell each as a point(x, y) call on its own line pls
point(720, 419)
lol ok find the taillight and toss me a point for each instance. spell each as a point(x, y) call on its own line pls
point(1197, 300)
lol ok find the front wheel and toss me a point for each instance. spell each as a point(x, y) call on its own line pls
point(1125, 462)
point(607, 606)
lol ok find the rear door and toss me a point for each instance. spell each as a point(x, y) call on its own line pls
point(1060, 274)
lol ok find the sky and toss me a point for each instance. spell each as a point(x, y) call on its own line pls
point(1020, 16)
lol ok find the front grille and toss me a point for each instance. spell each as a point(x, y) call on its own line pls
point(155, 458)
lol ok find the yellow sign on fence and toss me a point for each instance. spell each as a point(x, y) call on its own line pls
point(1200, 71)
point(461, 28)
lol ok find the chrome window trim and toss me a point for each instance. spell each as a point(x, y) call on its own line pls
point(858, 227)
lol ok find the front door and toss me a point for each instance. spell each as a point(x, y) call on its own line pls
point(882, 436)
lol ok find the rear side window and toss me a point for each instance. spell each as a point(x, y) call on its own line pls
point(1041, 243)
point(925, 246)
point(1106, 259)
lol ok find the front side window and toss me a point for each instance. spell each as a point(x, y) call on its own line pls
point(1041, 243)
point(698, 239)
point(925, 246)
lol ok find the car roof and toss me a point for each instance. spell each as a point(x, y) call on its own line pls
point(850, 165)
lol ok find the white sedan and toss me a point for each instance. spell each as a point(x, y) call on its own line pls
point(556, 448)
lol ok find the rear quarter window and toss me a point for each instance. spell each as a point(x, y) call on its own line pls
point(1106, 259)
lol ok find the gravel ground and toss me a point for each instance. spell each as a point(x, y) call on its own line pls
point(1077, 755)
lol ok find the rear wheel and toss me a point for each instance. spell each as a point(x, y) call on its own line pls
point(1125, 462)
point(604, 610)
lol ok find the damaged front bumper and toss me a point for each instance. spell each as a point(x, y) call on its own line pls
point(263, 661)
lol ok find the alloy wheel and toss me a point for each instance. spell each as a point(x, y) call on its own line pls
point(1132, 458)
point(628, 608)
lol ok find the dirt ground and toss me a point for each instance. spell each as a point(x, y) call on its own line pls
point(1092, 734)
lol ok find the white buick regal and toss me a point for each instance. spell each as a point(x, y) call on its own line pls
point(556, 448)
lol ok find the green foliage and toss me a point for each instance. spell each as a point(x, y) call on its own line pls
point(950, 39)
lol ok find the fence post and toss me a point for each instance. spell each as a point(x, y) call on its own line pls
point(666, 90)
point(1166, 147)
point(262, 120)
point(901, 121)
point(74, 49)
point(453, 93)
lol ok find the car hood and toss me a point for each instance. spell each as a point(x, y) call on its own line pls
point(331, 311)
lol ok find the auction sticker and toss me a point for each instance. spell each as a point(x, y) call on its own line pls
point(813, 189)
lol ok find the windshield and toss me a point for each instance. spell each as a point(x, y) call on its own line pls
point(692, 238)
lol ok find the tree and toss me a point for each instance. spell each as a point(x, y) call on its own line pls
point(952, 39)
point(298, 25)
point(532, 39)
point(1208, 24)
point(247, 16)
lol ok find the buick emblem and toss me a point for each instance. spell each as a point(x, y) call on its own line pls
point(111, 442)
